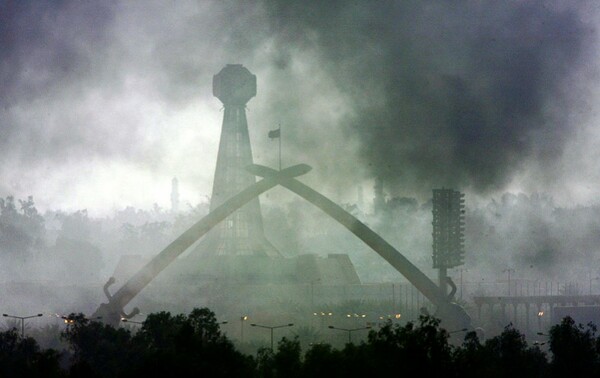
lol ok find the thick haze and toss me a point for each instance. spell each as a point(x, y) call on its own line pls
point(102, 103)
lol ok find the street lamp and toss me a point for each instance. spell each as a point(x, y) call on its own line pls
point(323, 315)
point(391, 316)
point(242, 320)
point(272, 328)
point(22, 320)
point(539, 316)
point(70, 319)
point(130, 321)
point(350, 330)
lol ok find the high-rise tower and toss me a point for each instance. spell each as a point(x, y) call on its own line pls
point(242, 232)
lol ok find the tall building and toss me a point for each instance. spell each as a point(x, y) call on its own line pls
point(242, 232)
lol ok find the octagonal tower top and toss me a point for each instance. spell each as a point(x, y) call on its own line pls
point(234, 85)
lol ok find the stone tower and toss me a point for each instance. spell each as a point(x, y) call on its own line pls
point(242, 232)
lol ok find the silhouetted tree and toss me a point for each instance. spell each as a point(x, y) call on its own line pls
point(287, 361)
point(359, 361)
point(471, 359)
point(574, 349)
point(20, 230)
point(22, 357)
point(98, 350)
point(306, 335)
point(506, 355)
point(321, 360)
point(193, 345)
point(421, 349)
point(188, 346)
point(265, 362)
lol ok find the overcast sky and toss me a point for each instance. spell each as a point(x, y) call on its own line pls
point(103, 103)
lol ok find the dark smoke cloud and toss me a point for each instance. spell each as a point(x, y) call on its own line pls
point(453, 94)
point(54, 58)
point(421, 94)
point(48, 44)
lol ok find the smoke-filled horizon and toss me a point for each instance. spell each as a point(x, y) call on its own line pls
point(103, 103)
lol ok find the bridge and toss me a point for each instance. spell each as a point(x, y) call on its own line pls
point(536, 307)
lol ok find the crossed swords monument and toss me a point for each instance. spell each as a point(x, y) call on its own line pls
point(234, 223)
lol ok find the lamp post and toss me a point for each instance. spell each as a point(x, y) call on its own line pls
point(71, 319)
point(390, 317)
point(130, 321)
point(271, 328)
point(349, 330)
point(539, 316)
point(242, 320)
point(22, 320)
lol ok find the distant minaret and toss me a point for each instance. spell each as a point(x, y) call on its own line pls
point(174, 195)
point(242, 232)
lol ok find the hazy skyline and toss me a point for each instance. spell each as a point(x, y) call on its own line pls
point(102, 104)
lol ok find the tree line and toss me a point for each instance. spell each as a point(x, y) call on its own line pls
point(193, 345)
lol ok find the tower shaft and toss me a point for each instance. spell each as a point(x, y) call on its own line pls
point(242, 232)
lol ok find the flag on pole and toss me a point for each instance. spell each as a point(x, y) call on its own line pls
point(275, 133)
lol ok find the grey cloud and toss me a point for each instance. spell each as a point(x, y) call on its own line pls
point(448, 94)
point(430, 93)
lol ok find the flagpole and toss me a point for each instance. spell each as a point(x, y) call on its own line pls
point(280, 147)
